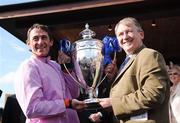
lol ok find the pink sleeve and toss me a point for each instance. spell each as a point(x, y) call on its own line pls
point(71, 84)
point(29, 93)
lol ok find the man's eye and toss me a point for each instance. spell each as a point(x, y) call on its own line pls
point(120, 34)
point(35, 38)
point(130, 31)
point(44, 37)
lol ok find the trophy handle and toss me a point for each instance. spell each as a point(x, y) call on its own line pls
point(106, 73)
point(101, 80)
point(77, 82)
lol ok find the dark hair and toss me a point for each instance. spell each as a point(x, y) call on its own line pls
point(39, 26)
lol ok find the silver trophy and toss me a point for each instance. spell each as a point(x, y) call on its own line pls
point(88, 63)
point(89, 56)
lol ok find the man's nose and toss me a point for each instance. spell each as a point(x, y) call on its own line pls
point(40, 40)
point(125, 35)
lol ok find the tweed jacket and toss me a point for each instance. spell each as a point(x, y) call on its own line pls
point(142, 87)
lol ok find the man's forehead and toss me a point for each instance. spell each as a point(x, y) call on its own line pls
point(38, 31)
point(128, 24)
point(125, 26)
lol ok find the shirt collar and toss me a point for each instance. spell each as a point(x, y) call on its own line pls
point(43, 59)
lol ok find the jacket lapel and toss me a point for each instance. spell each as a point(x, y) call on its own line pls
point(129, 63)
point(125, 68)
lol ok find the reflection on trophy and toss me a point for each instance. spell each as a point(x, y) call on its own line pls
point(89, 57)
point(88, 63)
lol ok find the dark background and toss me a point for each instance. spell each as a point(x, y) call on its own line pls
point(67, 19)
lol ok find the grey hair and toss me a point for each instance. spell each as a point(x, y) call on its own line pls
point(128, 21)
point(176, 67)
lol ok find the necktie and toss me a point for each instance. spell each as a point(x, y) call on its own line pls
point(124, 63)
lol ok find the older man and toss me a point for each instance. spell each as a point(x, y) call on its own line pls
point(140, 91)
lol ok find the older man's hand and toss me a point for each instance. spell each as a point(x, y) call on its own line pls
point(111, 70)
point(78, 105)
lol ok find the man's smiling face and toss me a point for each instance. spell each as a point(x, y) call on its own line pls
point(129, 37)
point(39, 42)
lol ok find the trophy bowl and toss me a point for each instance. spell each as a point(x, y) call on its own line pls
point(88, 63)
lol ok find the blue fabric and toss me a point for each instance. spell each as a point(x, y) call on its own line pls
point(110, 45)
point(65, 46)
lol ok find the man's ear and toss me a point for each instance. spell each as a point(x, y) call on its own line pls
point(28, 44)
point(51, 43)
point(27, 41)
point(141, 34)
